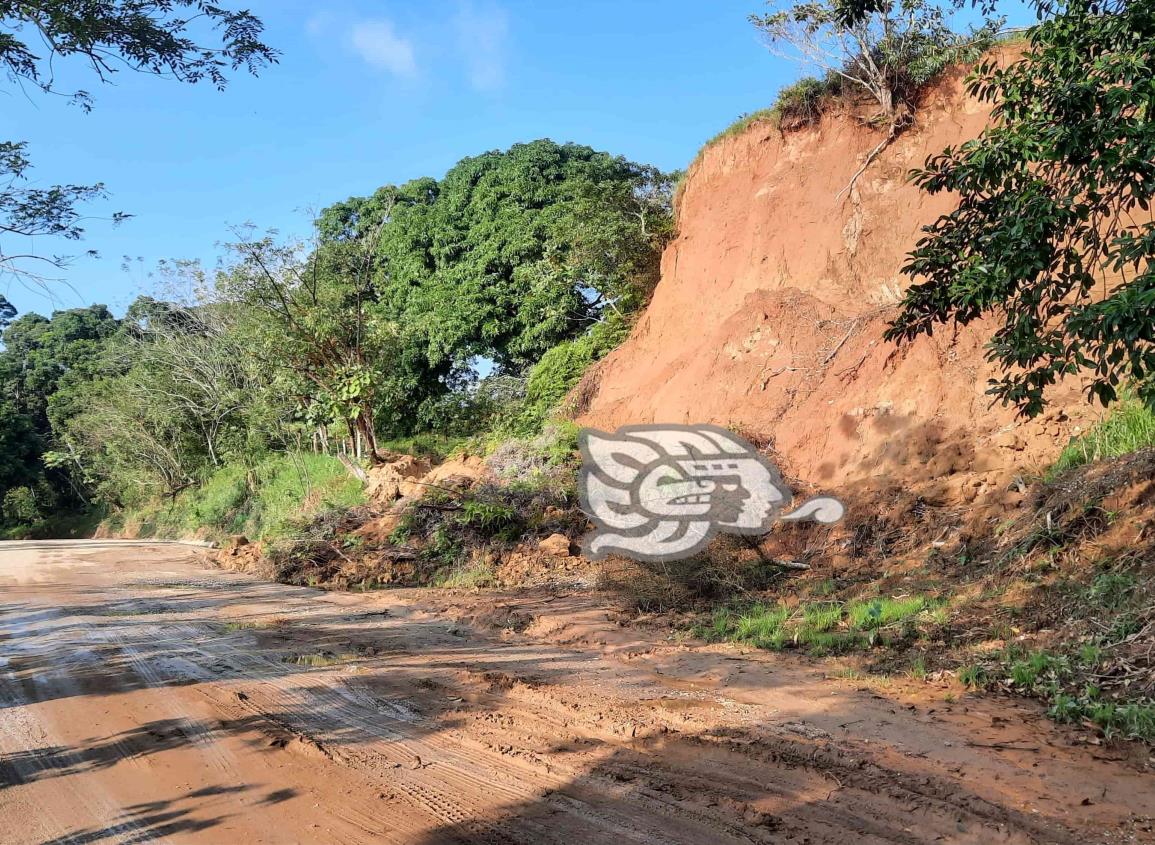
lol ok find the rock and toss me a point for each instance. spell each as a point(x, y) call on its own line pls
point(1010, 440)
point(555, 544)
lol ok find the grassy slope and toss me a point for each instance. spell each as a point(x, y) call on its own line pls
point(264, 502)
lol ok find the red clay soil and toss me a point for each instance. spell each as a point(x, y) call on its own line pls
point(774, 298)
point(145, 696)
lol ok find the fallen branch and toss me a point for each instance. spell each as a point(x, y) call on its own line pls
point(1009, 746)
point(840, 344)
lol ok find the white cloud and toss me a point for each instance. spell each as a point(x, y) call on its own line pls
point(378, 43)
point(481, 34)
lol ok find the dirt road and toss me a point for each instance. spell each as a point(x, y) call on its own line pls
point(146, 696)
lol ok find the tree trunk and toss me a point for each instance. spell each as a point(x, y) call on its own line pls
point(886, 100)
point(366, 428)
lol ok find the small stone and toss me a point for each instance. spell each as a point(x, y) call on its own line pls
point(555, 544)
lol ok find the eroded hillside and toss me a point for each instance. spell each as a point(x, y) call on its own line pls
point(774, 298)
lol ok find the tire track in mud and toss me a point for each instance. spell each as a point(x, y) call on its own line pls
point(700, 801)
point(441, 736)
point(457, 790)
point(21, 734)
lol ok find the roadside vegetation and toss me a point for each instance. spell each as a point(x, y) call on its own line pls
point(824, 627)
point(244, 400)
point(265, 501)
point(1128, 427)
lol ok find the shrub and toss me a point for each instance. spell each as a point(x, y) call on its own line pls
point(889, 54)
point(20, 506)
point(560, 369)
point(551, 453)
point(802, 103)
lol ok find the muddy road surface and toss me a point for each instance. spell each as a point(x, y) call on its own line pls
point(146, 696)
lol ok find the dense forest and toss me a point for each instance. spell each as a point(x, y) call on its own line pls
point(465, 306)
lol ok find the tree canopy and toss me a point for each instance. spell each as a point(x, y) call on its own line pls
point(532, 257)
point(512, 252)
point(1053, 235)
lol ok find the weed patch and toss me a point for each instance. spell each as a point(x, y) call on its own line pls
point(1065, 682)
point(1128, 428)
point(819, 627)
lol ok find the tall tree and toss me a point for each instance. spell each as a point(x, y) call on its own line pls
point(1053, 234)
point(39, 354)
point(886, 49)
point(311, 321)
point(514, 251)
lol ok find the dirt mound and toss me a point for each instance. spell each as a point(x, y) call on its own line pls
point(773, 301)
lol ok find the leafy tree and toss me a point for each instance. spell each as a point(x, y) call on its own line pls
point(19, 506)
point(311, 320)
point(19, 447)
point(888, 49)
point(40, 354)
point(43, 360)
point(1053, 235)
point(512, 252)
point(27, 213)
point(187, 40)
point(176, 393)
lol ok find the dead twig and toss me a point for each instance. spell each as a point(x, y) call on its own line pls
point(1009, 746)
point(845, 338)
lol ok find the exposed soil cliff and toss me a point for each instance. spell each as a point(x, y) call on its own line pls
point(772, 304)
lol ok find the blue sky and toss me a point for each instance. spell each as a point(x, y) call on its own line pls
point(368, 93)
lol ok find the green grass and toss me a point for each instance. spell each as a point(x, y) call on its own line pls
point(1112, 590)
point(798, 104)
point(743, 123)
point(822, 617)
point(1060, 680)
point(762, 626)
point(265, 502)
point(826, 627)
point(972, 676)
point(882, 612)
point(467, 577)
point(1129, 427)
